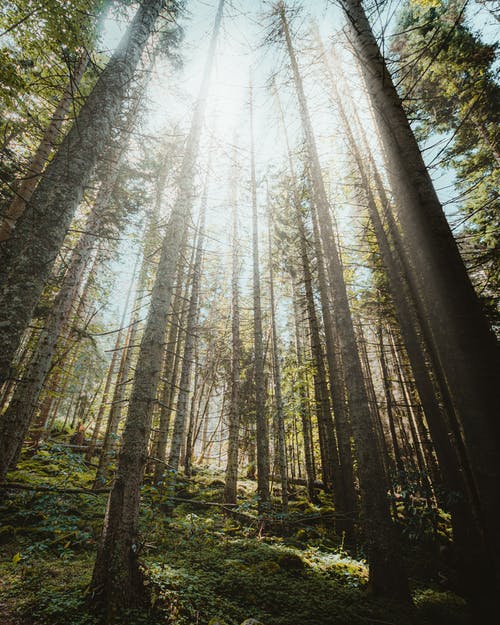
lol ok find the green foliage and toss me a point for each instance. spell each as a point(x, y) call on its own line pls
point(41, 47)
point(447, 78)
point(201, 566)
point(37, 523)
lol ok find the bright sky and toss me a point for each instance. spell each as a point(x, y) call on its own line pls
point(241, 50)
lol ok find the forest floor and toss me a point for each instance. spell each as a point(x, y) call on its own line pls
point(203, 567)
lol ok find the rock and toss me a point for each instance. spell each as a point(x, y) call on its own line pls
point(252, 621)
point(217, 484)
point(290, 562)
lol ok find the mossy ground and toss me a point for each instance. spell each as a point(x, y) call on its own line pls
point(200, 565)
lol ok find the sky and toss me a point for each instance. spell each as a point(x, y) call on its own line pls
point(241, 52)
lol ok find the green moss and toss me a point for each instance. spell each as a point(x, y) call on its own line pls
point(202, 566)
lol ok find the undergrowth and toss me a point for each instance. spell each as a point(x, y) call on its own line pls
point(202, 567)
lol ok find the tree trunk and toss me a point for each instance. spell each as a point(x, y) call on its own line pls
point(387, 576)
point(231, 479)
point(280, 418)
point(170, 374)
point(262, 430)
point(116, 577)
point(347, 491)
point(27, 257)
point(388, 405)
point(304, 412)
point(189, 345)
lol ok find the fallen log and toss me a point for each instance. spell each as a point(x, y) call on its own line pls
point(53, 489)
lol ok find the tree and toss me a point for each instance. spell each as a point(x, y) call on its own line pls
point(27, 257)
point(234, 414)
point(463, 341)
point(116, 580)
point(190, 342)
point(280, 417)
point(262, 429)
point(387, 576)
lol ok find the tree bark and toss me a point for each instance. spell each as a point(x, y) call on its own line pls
point(386, 572)
point(27, 257)
point(116, 580)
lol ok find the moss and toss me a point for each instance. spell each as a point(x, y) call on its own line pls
point(202, 566)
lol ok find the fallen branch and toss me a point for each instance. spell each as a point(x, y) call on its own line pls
point(53, 489)
point(202, 503)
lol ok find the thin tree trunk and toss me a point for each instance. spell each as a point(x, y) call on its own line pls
point(388, 404)
point(188, 452)
point(386, 572)
point(262, 430)
point(304, 411)
point(231, 479)
point(280, 417)
point(27, 257)
point(37, 164)
point(111, 438)
point(190, 343)
point(116, 578)
point(328, 449)
point(170, 374)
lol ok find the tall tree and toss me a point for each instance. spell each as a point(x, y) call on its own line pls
point(387, 576)
point(280, 417)
point(27, 257)
point(234, 409)
point(116, 580)
point(262, 428)
point(456, 324)
point(181, 412)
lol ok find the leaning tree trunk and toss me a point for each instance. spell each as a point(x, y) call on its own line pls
point(116, 580)
point(463, 340)
point(262, 433)
point(234, 410)
point(387, 576)
point(15, 421)
point(27, 257)
point(25, 189)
